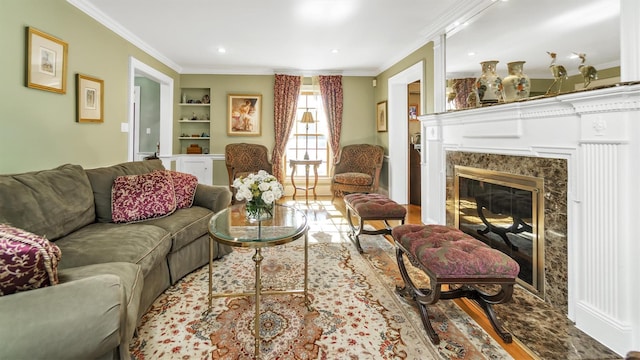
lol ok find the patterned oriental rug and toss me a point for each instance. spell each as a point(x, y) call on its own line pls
point(356, 313)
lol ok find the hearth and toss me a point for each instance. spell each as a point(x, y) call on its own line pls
point(506, 212)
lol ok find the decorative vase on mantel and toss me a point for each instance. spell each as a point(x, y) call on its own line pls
point(489, 84)
point(516, 85)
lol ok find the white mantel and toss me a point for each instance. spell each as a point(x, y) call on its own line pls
point(598, 133)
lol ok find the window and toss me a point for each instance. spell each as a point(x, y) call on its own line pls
point(312, 140)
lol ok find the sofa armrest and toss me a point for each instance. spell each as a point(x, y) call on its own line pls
point(80, 319)
point(213, 197)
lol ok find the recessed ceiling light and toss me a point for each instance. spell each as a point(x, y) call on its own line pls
point(471, 53)
point(334, 51)
point(222, 50)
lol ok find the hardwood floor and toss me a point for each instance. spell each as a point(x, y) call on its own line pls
point(514, 349)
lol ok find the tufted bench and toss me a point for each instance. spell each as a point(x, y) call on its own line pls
point(449, 256)
point(371, 207)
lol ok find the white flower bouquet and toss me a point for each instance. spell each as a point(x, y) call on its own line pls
point(260, 190)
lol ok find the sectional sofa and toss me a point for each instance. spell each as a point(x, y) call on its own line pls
point(108, 274)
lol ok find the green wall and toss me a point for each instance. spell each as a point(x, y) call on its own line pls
point(38, 129)
point(425, 53)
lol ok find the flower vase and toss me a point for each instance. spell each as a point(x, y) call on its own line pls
point(258, 211)
point(516, 85)
point(489, 84)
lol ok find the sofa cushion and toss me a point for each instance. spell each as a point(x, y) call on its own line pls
point(49, 203)
point(184, 225)
point(185, 187)
point(139, 197)
point(101, 180)
point(131, 279)
point(99, 243)
point(27, 261)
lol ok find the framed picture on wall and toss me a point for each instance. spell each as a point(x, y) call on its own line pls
point(381, 116)
point(244, 116)
point(413, 112)
point(90, 99)
point(46, 62)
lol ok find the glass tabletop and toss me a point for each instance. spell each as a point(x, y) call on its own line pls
point(231, 226)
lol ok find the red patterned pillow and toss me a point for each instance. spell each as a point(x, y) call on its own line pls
point(27, 261)
point(185, 187)
point(139, 197)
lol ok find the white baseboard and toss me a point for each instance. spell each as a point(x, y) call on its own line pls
point(617, 336)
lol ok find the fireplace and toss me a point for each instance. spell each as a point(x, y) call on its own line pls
point(506, 212)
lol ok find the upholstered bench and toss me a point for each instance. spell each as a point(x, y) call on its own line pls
point(371, 207)
point(449, 256)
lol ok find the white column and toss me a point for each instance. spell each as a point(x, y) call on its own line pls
point(629, 40)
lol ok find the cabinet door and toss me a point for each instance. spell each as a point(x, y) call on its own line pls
point(201, 167)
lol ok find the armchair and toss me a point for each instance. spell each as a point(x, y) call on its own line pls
point(357, 169)
point(242, 159)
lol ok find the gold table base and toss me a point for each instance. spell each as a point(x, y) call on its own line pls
point(258, 293)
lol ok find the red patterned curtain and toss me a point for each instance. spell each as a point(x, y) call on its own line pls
point(331, 92)
point(285, 102)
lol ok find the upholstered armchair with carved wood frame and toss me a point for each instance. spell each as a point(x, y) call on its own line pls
point(357, 169)
point(242, 159)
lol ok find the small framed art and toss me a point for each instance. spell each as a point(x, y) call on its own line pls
point(244, 116)
point(90, 99)
point(46, 62)
point(381, 116)
point(413, 112)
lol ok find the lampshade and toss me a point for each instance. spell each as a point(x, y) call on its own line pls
point(307, 118)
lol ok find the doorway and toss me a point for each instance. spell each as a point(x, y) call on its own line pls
point(138, 69)
point(398, 114)
point(413, 103)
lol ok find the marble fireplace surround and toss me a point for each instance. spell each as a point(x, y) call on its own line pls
point(586, 145)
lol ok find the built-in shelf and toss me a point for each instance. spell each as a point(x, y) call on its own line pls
point(194, 121)
point(194, 104)
point(194, 138)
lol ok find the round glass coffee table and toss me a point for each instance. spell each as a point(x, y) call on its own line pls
point(231, 227)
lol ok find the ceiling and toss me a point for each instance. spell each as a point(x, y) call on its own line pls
point(300, 36)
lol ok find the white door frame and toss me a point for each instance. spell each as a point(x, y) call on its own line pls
point(138, 68)
point(399, 130)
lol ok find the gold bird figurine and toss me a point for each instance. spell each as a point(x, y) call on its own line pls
point(558, 71)
point(588, 72)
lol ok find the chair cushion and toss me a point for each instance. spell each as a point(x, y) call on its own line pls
point(139, 197)
point(27, 261)
point(450, 253)
point(352, 178)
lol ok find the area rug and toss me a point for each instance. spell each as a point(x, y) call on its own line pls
point(355, 311)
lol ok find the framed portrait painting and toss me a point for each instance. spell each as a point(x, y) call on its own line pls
point(46, 62)
point(381, 116)
point(90, 99)
point(244, 116)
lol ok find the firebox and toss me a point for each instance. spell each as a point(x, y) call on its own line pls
point(506, 212)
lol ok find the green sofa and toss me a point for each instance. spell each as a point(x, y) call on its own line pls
point(109, 274)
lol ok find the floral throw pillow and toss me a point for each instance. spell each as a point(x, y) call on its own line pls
point(185, 188)
point(139, 197)
point(27, 261)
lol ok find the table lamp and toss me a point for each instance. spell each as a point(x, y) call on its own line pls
point(307, 118)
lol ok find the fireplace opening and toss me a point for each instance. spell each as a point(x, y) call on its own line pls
point(506, 212)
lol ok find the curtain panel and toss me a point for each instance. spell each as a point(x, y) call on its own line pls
point(332, 96)
point(285, 97)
